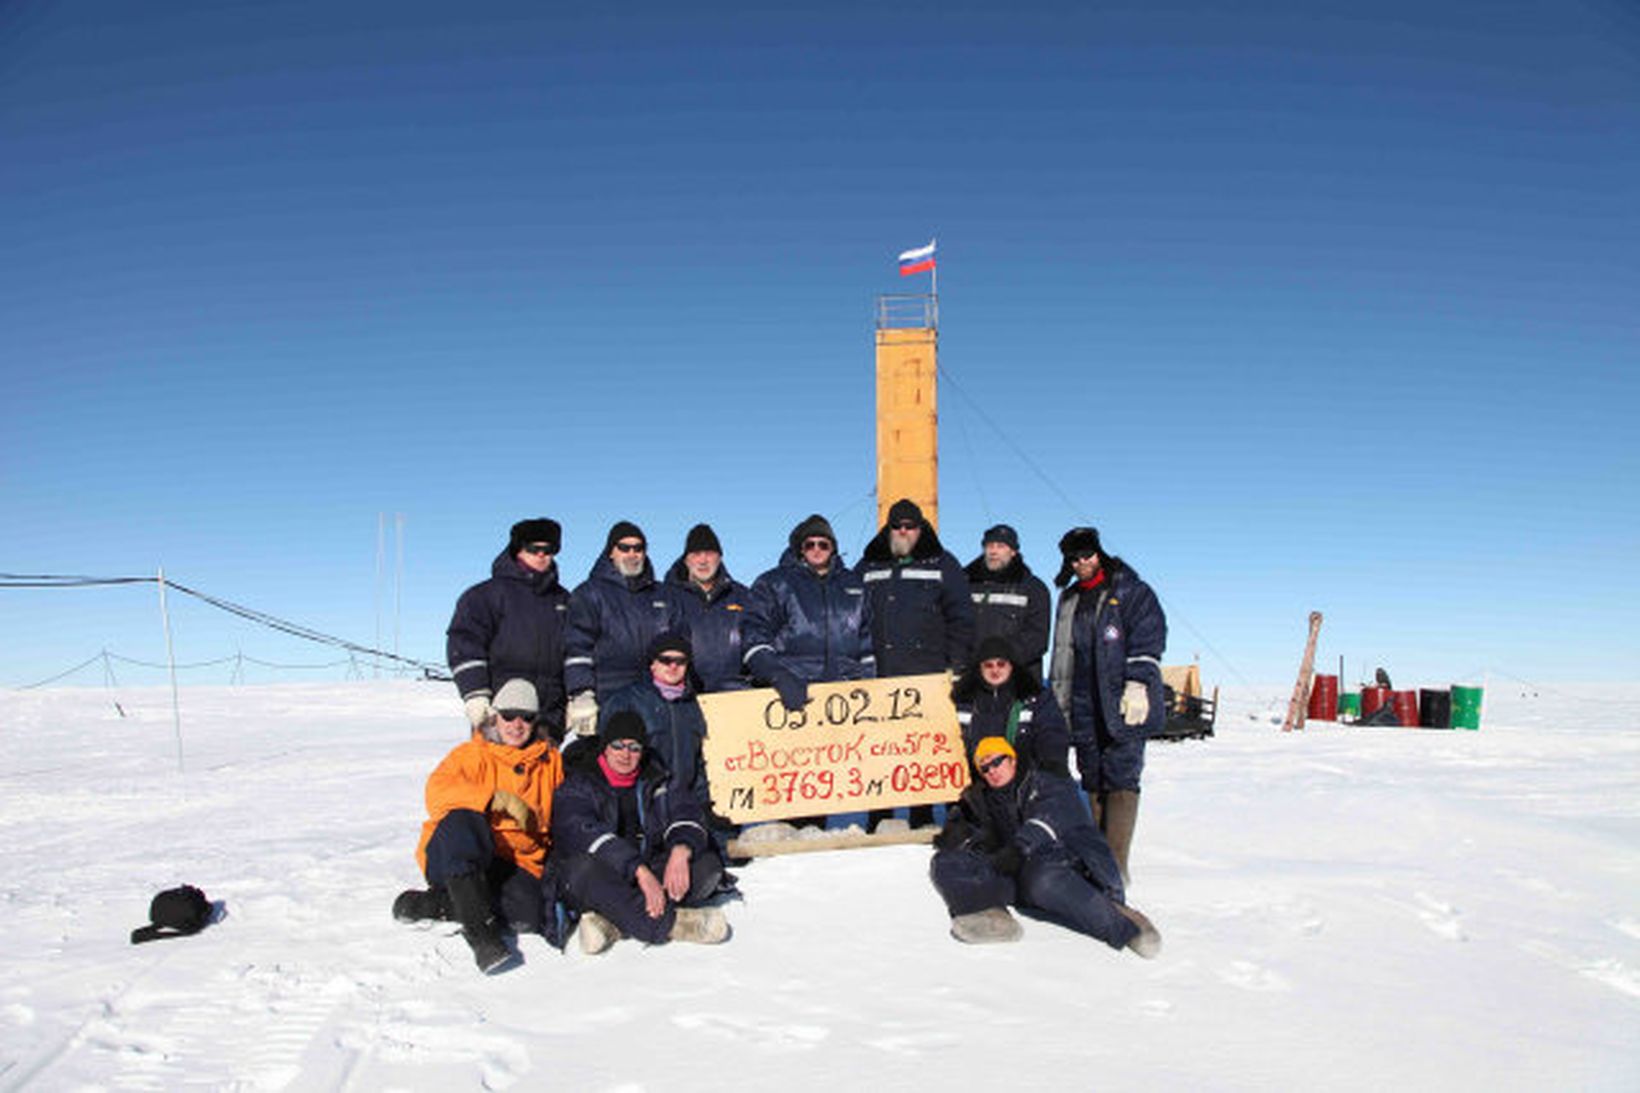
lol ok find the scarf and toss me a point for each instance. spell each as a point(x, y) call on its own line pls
point(619, 781)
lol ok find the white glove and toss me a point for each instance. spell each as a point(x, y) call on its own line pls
point(581, 717)
point(1135, 702)
point(477, 709)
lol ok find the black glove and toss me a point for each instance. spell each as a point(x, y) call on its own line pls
point(954, 834)
point(794, 693)
point(1006, 861)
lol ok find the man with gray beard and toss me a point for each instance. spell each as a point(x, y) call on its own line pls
point(613, 616)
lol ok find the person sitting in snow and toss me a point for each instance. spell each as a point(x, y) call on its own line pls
point(484, 846)
point(1020, 835)
point(631, 843)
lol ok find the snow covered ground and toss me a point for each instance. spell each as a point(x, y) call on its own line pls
point(1345, 908)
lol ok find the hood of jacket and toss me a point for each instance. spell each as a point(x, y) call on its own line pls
point(1111, 564)
point(928, 546)
point(507, 568)
point(604, 570)
point(792, 559)
point(582, 755)
point(1013, 573)
point(677, 575)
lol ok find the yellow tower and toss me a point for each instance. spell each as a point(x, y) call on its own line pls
point(908, 461)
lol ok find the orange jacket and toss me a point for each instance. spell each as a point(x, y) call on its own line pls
point(470, 775)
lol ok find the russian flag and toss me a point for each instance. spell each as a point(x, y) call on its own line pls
point(920, 260)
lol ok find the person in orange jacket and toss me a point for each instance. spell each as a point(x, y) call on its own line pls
point(484, 846)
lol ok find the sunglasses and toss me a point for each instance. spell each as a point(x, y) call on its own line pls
point(541, 548)
point(905, 525)
point(816, 544)
point(672, 660)
point(516, 715)
point(624, 745)
point(1084, 555)
point(992, 763)
point(630, 548)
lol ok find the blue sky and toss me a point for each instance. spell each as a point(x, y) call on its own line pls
point(1305, 305)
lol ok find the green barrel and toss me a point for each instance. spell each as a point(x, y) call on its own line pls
point(1466, 707)
point(1349, 706)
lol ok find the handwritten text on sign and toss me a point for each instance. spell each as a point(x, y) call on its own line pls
point(869, 743)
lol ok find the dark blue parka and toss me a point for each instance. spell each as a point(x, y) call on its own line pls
point(1104, 637)
point(1011, 603)
point(675, 730)
point(715, 620)
point(1021, 711)
point(612, 620)
point(586, 814)
point(512, 626)
point(818, 628)
point(1039, 812)
point(922, 612)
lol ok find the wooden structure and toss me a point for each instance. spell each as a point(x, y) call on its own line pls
point(908, 463)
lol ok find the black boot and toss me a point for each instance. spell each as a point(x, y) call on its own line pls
point(470, 902)
point(416, 905)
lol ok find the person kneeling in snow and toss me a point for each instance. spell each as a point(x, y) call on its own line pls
point(1021, 836)
point(484, 845)
point(631, 843)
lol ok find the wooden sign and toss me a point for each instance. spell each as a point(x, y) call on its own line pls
point(864, 744)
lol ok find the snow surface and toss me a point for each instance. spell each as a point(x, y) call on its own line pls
point(1346, 908)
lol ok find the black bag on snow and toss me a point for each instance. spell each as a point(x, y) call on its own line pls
point(175, 912)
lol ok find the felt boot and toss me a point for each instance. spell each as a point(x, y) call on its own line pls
point(597, 933)
point(992, 925)
point(1121, 816)
point(702, 925)
point(470, 903)
point(1148, 941)
point(421, 905)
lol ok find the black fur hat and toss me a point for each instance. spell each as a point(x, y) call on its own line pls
point(1073, 542)
point(538, 530)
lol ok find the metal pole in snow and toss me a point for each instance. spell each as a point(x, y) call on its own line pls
point(170, 659)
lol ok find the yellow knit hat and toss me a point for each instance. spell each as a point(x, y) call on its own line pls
point(992, 745)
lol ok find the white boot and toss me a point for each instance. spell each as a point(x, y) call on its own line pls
point(1148, 941)
point(704, 925)
point(597, 933)
point(992, 925)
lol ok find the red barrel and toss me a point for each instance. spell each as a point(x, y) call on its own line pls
point(1324, 698)
point(1372, 698)
point(1406, 707)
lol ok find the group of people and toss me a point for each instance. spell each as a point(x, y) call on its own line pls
point(590, 696)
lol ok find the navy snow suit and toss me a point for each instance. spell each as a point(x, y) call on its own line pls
point(612, 620)
point(1105, 636)
point(714, 620)
point(1064, 868)
point(602, 833)
point(818, 628)
point(512, 626)
point(675, 730)
point(1012, 603)
point(922, 613)
point(1022, 711)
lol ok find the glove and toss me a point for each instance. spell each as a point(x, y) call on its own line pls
point(1006, 861)
point(581, 716)
point(513, 805)
point(794, 693)
point(477, 709)
point(1135, 703)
